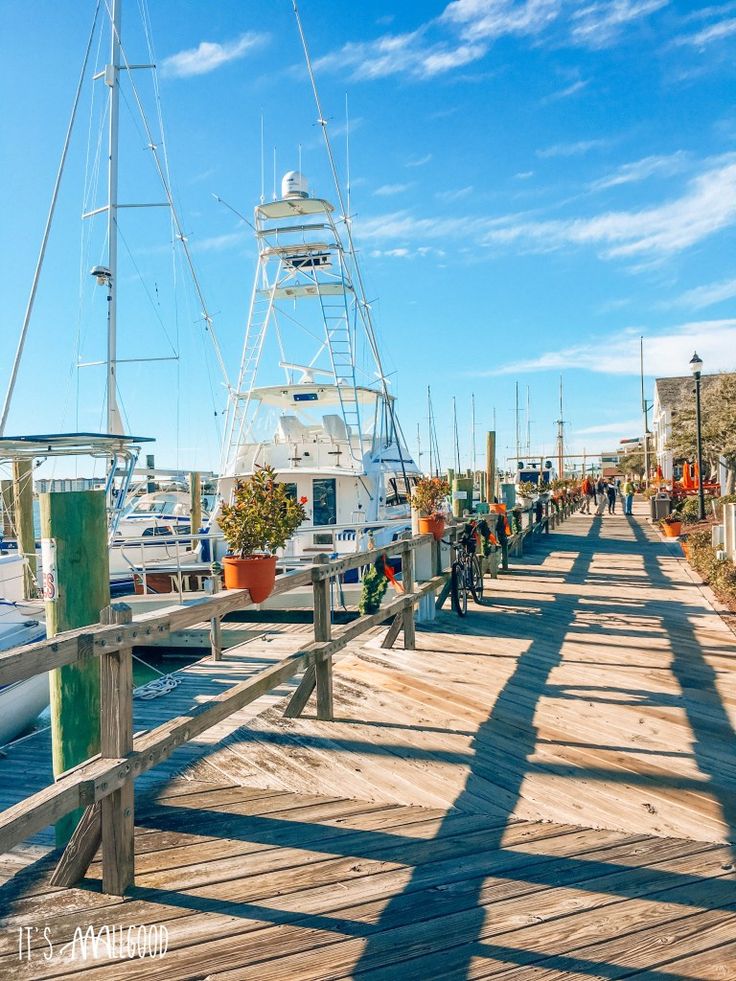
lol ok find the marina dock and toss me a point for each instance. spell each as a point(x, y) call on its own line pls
point(544, 789)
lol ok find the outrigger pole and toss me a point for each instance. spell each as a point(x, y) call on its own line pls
point(362, 298)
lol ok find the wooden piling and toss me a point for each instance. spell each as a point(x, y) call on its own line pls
point(6, 497)
point(195, 503)
point(322, 632)
point(76, 589)
point(462, 495)
point(23, 515)
point(490, 466)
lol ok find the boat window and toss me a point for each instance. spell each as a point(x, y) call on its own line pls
point(396, 488)
point(158, 531)
point(324, 508)
point(290, 489)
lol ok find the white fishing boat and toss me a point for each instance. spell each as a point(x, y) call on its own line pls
point(329, 428)
point(21, 622)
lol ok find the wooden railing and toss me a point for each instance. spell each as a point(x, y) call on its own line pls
point(104, 784)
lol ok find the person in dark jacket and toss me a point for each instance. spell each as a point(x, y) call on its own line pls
point(611, 490)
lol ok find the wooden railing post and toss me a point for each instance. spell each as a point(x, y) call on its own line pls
point(407, 614)
point(116, 740)
point(215, 585)
point(322, 632)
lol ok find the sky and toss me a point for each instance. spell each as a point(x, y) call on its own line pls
point(534, 185)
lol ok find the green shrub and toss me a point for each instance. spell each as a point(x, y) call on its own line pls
point(720, 574)
point(689, 510)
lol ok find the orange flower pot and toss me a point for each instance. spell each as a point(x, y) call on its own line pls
point(433, 525)
point(672, 529)
point(256, 573)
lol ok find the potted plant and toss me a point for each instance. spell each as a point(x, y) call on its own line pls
point(260, 520)
point(671, 526)
point(428, 498)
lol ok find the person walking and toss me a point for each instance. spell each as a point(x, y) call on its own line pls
point(602, 497)
point(611, 493)
point(627, 490)
point(588, 495)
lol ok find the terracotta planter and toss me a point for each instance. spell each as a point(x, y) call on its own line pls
point(433, 525)
point(256, 573)
point(672, 529)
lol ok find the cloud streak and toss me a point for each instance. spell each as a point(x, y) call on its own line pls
point(668, 352)
point(209, 55)
point(707, 205)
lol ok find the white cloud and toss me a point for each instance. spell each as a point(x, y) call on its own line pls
point(567, 92)
point(598, 24)
point(572, 149)
point(615, 428)
point(419, 161)
point(491, 19)
point(456, 195)
point(708, 295)
point(209, 55)
point(388, 190)
point(666, 353)
point(664, 165)
point(466, 29)
point(716, 32)
point(707, 206)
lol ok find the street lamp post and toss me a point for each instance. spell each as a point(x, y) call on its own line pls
point(696, 366)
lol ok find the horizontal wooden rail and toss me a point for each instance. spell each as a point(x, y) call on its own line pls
point(95, 783)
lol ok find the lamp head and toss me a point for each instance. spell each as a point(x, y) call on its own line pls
point(696, 365)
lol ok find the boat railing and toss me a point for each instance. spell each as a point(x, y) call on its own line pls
point(103, 784)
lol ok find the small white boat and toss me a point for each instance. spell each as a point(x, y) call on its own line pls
point(20, 623)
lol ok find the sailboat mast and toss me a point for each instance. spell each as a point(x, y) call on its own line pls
point(112, 80)
point(518, 440)
point(472, 431)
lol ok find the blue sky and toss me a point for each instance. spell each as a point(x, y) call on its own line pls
point(534, 185)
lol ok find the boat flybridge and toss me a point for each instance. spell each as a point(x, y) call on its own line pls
point(330, 428)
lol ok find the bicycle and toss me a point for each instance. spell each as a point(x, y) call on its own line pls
point(466, 574)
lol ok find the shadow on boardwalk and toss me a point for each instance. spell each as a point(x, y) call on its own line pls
point(518, 699)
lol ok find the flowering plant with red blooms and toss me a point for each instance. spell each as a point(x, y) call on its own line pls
point(262, 515)
point(302, 500)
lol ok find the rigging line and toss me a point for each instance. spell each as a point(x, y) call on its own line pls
point(147, 291)
point(234, 210)
point(209, 324)
point(42, 252)
point(348, 228)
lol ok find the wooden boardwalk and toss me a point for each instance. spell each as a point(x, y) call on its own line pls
point(546, 789)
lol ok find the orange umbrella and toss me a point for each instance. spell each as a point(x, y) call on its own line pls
point(696, 474)
point(659, 473)
point(687, 479)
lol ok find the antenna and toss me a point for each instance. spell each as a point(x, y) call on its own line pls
point(518, 439)
point(456, 437)
point(274, 174)
point(645, 411)
point(435, 464)
point(561, 438)
point(419, 446)
point(299, 156)
point(472, 430)
point(263, 166)
point(528, 425)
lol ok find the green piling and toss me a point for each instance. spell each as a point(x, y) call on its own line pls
point(462, 495)
point(76, 579)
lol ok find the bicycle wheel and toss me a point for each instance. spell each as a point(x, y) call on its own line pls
point(459, 589)
point(476, 578)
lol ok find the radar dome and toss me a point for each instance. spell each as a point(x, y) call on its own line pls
point(294, 185)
